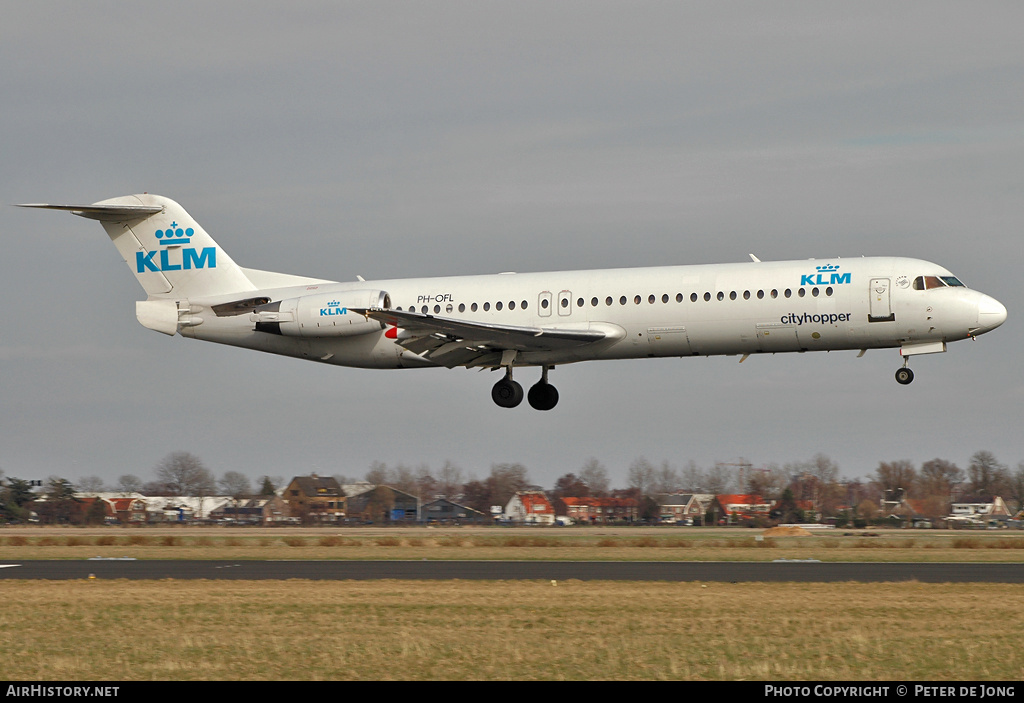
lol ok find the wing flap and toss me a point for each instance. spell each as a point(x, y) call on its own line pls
point(452, 342)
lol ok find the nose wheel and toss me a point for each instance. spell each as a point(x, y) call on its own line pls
point(904, 376)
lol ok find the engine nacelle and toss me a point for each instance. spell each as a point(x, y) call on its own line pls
point(321, 314)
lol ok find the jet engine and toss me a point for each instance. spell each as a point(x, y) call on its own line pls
point(321, 315)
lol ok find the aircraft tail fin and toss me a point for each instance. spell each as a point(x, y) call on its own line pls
point(170, 254)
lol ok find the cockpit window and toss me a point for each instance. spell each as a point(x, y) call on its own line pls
point(930, 282)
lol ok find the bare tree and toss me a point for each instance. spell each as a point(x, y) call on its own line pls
point(449, 480)
point(90, 484)
point(377, 473)
point(896, 479)
point(184, 474)
point(666, 479)
point(1016, 487)
point(595, 475)
point(938, 477)
point(505, 481)
point(235, 484)
point(986, 477)
point(641, 476)
point(129, 483)
point(768, 483)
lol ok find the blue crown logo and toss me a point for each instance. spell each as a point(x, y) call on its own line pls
point(828, 268)
point(174, 235)
point(333, 304)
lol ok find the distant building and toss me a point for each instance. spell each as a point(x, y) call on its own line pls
point(261, 510)
point(733, 507)
point(594, 510)
point(530, 508)
point(678, 507)
point(315, 499)
point(382, 505)
point(125, 508)
point(980, 510)
point(445, 511)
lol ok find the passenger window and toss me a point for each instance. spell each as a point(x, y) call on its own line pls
point(498, 305)
point(608, 300)
point(523, 304)
point(746, 295)
point(487, 307)
point(721, 295)
point(511, 305)
point(732, 295)
point(679, 297)
point(760, 295)
point(579, 303)
point(593, 302)
point(707, 297)
point(622, 300)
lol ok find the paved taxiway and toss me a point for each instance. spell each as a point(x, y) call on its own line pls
point(804, 571)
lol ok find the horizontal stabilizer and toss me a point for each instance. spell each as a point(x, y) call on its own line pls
point(103, 213)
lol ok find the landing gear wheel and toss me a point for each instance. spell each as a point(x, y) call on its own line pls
point(507, 393)
point(543, 396)
point(904, 376)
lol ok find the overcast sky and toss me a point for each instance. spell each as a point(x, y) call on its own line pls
point(395, 139)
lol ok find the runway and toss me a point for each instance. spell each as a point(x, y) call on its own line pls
point(736, 572)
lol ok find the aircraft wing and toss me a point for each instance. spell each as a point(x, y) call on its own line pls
point(462, 343)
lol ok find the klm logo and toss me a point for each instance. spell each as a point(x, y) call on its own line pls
point(827, 275)
point(333, 308)
point(174, 255)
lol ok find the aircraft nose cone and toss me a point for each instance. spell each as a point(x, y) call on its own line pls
point(991, 313)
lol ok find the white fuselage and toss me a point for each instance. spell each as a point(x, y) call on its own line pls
point(744, 308)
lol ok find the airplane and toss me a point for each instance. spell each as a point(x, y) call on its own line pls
point(509, 320)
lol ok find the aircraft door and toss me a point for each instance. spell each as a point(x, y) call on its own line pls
point(880, 308)
point(565, 303)
point(544, 304)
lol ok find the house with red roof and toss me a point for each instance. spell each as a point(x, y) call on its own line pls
point(530, 508)
point(733, 507)
point(594, 510)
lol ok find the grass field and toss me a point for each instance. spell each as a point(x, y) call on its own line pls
point(320, 630)
point(316, 630)
point(585, 544)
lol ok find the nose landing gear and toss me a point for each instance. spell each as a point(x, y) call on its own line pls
point(904, 376)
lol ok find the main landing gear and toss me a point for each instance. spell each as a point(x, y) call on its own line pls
point(508, 394)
